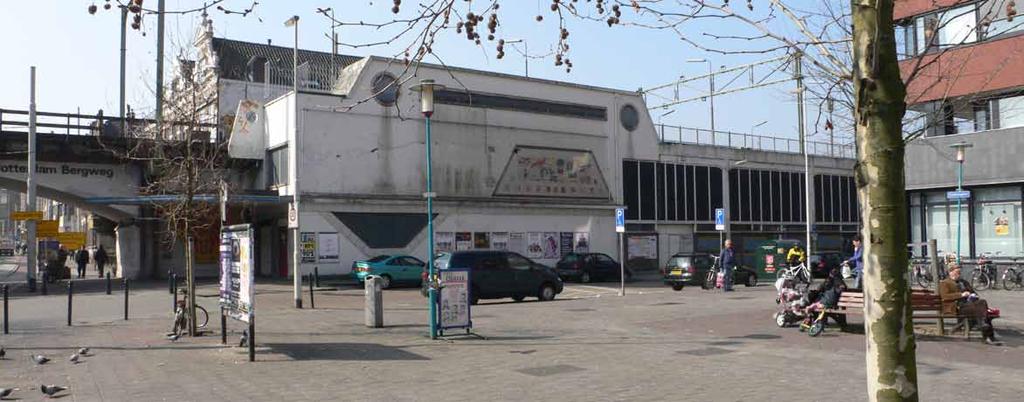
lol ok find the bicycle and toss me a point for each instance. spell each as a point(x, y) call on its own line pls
point(799, 273)
point(922, 272)
point(181, 315)
point(1013, 277)
point(710, 279)
point(985, 272)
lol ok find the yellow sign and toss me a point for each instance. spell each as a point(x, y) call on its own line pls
point(71, 238)
point(26, 215)
point(47, 229)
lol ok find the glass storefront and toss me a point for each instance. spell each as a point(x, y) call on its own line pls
point(941, 218)
point(990, 222)
point(997, 220)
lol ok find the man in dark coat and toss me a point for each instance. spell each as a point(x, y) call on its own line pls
point(100, 257)
point(81, 259)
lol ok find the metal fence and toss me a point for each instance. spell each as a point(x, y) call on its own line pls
point(16, 121)
point(687, 135)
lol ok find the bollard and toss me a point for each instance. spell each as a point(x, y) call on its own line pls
point(5, 310)
point(108, 283)
point(223, 327)
point(316, 275)
point(71, 286)
point(312, 304)
point(174, 294)
point(45, 281)
point(125, 286)
point(374, 312)
point(170, 280)
point(252, 338)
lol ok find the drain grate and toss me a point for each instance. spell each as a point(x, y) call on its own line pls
point(545, 371)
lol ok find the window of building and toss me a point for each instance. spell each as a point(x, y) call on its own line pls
point(915, 224)
point(277, 168)
point(905, 40)
point(939, 30)
point(994, 19)
point(997, 221)
point(473, 99)
point(1010, 112)
point(670, 192)
point(941, 222)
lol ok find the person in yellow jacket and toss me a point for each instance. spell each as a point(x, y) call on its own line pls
point(796, 255)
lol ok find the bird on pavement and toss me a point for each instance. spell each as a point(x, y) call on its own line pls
point(5, 392)
point(40, 359)
point(173, 337)
point(74, 358)
point(50, 390)
point(83, 351)
point(244, 339)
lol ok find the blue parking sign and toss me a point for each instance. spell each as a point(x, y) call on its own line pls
point(620, 220)
point(719, 218)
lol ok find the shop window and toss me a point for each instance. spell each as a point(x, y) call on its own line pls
point(997, 221)
point(941, 224)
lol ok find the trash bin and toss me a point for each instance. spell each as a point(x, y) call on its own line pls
point(374, 311)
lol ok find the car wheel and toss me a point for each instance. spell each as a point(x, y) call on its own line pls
point(518, 298)
point(585, 277)
point(677, 287)
point(385, 282)
point(751, 280)
point(547, 292)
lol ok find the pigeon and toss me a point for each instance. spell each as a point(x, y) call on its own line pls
point(40, 359)
point(173, 337)
point(3, 353)
point(5, 392)
point(244, 339)
point(74, 358)
point(50, 390)
point(83, 351)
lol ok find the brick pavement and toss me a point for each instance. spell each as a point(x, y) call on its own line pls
point(589, 345)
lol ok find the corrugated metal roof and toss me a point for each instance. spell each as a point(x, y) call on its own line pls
point(234, 57)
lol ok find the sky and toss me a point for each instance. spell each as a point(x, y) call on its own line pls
point(77, 54)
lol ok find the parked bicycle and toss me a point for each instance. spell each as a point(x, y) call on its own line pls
point(921, 272)
point(1013, 277)
point(181, 315)
point(799, 273)
point(985, 272)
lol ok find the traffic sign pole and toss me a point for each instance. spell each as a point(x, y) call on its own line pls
point(620, 228)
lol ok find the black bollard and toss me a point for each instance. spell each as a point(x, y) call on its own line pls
point(312, 304)
point(252, 338)
point(45, 281)
point(108, 283)
point(71, 287)
point(223, 327)
point(316, 275)
point(5, 310)
point(174, 295)
point(125, 285)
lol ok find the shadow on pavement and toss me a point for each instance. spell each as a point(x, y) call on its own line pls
point(342, 351)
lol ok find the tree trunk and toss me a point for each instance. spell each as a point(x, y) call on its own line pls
point(880, 105)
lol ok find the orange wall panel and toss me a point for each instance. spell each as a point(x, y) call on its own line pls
point(908, 8)
point(983, 67)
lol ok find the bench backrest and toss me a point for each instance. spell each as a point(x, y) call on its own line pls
point(920, 300)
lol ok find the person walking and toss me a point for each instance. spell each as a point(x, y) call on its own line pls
point(728, 262)
point(81, 259)
point(857, 261)
point(62, 263)
point(100, 258)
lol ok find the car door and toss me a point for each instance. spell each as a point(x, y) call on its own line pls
point(494, 279)
point(606, 265)
point(527, 276)
point(412, 269)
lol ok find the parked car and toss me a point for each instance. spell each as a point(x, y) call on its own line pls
point(392, 269)
point(587, 267)
point(821, 263)
point(499, 274)
point(691, 269)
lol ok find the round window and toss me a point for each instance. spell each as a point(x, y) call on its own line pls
point(385, 89)
point(629, 117)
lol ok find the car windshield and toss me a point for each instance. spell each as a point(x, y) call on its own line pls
point(379, 258)
point(441, 261)
point(679, 262)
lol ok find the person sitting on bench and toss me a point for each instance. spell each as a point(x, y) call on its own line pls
point(959, 298)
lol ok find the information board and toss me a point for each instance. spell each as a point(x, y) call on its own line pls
point(454, 299)
point(236, 271)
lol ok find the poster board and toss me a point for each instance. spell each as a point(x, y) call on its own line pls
point(237, 276)
point(549, 243)
point(307, 242)
point(565, 243)
point(499, 240)
point(534, 248)
point(328, 248)
point(463, 241)
point(581, 242)
point(444, 242)
point(517, 242)
point(453, 300)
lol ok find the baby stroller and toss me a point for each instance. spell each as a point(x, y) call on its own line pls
point(791, 303)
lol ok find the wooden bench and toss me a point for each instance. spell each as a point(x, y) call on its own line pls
point(924, 304)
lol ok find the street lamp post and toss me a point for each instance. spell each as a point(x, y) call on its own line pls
point(293, 22)
point(426, 88)
point(960, 148)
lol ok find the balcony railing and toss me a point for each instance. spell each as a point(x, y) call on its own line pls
point(16, 121)
point(686, 135)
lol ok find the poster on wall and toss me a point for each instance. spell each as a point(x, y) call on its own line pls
point(482, 240)
point(307, 240)
point(581, 242)
point(1002, 226)
point(444, 242)
point(534, 247)
point(565, 243)
point(516, 243)
point(463, 241)
point(329, 250)
point(533, 171)
point(643, 246)
point(550, 244)
point(499, 240)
